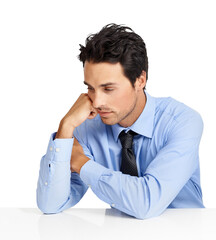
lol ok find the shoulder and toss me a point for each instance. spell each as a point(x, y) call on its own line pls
point(174, 109)
point(178, 118)
point(174, 118)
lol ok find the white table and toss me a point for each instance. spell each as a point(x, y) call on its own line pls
point(78, 224)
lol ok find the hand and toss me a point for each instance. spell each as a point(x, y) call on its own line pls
point(79, 112)
point(78, 158)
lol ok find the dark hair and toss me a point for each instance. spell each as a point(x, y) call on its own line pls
point(117, 43)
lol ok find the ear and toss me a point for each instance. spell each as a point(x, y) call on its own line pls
point(141, 81)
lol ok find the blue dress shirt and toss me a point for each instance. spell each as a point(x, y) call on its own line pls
point(167, 157)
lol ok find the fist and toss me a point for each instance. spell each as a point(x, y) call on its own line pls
point(78, 158)
point(80, 111)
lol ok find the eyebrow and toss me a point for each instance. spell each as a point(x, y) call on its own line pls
point(102, 85)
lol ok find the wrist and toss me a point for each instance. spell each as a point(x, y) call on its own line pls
point(81, 164)
point(65, 130)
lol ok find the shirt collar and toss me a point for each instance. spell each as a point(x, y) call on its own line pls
point(144, 124)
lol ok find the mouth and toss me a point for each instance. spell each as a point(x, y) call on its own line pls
point(104, 114)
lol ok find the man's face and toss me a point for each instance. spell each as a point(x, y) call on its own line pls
point(111, 93)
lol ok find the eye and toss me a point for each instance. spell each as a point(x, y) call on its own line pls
point(90, 89)
point(108, 89)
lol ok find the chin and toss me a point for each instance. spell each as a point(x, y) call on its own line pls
point(108, 121)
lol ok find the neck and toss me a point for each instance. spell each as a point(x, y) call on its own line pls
point(135, 112)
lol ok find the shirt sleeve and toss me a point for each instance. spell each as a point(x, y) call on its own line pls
point(58, 188)
point(149, 195)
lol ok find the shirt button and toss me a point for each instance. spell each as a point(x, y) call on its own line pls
point(46, 183)
point(113, 205)
point(51, 149)
point(57, 149)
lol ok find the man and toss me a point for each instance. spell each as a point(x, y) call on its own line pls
point(137, 153)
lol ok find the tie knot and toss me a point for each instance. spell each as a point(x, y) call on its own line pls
point(127, 138)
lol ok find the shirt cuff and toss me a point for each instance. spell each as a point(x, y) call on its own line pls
point(91, 172)
point(61, 148)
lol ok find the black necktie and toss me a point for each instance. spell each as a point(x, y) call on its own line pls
point(128, 165)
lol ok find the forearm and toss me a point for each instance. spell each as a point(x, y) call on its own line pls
point(52, 191)
point(141, 197)
point(58, 188)
point(138, 197)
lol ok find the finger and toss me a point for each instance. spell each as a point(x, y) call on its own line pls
point(92, 115)
point(72, 169)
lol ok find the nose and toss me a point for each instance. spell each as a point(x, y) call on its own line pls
point(98, 100)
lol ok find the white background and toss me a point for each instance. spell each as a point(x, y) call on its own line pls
point(41, 76)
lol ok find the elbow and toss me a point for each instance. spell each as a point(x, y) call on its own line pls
point(47, 210)
point(146, 213)
point(149, 209)
point(46, 207)
point(142, 214)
